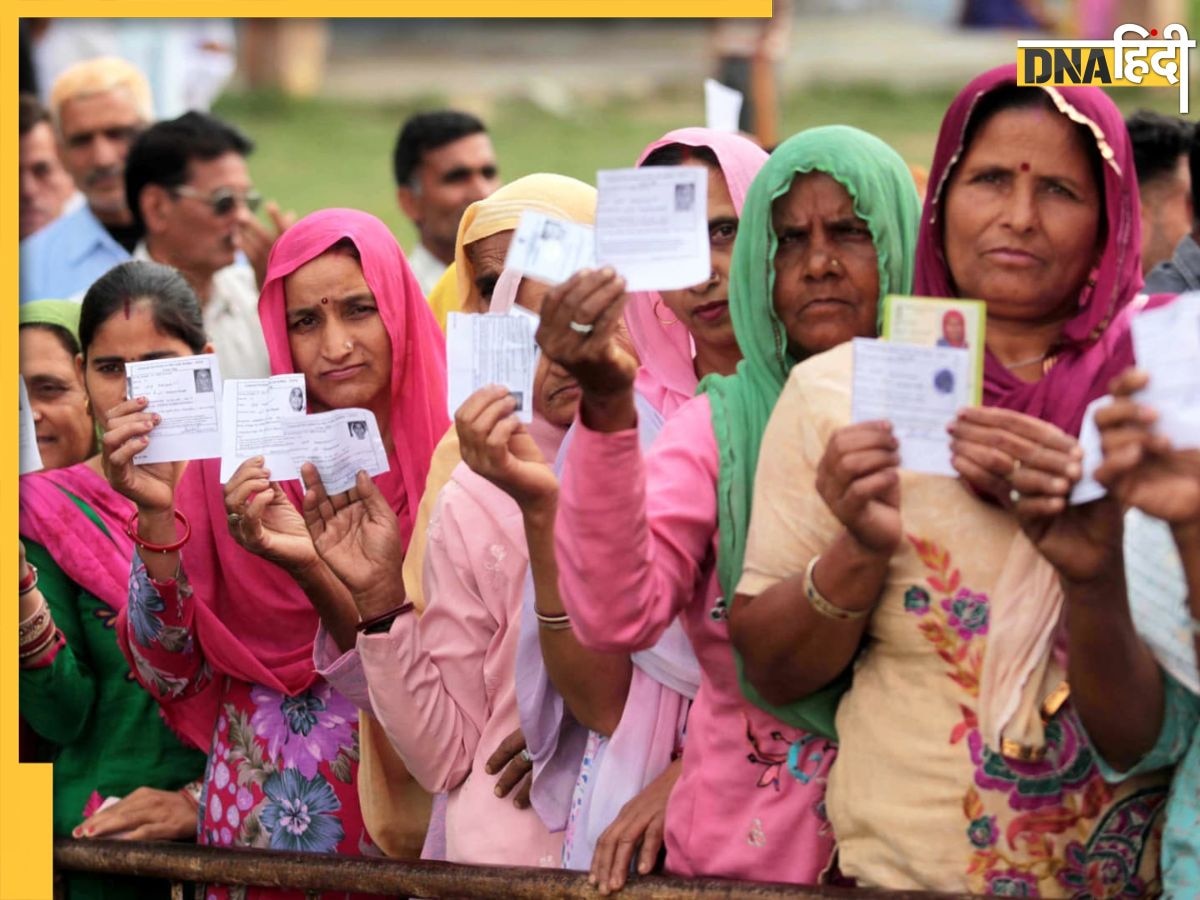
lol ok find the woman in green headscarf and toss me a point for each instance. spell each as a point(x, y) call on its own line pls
point(828, 227)
point(61, 415)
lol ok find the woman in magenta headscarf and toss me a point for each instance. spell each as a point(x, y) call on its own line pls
point(220, 620)
point(962, 765)
point(601, 727)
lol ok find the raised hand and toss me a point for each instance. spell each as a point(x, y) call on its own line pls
point(1140, 467)
point(1030, 466)
point(263, 520)
point(355, 533)
point(496, 446)
point(859, 480)
point(150, 487)
point(579, 323)
point(257, 239)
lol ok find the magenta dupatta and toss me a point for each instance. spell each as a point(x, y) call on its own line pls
point(1096, 342)
point(253, 621)
point(667, 376)
point(49, 517)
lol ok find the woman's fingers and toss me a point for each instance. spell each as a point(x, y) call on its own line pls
point(1020, 425)
point(238, 495)
point(1128, 383)
point(505, 750)
point(863, 462)
point(982, 479)
point(518, 767)
point(126, 407)
point(484, 418)
point(477, 403)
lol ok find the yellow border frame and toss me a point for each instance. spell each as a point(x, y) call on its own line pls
point(25, 790)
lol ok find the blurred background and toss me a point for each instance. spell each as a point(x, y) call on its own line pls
point(323, 99)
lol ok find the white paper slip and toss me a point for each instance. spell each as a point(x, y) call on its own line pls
point(486, 348)
point(1166, 344)
point(1158, 596)
point(339, 443)
point(919, 390)
point(255, 415)
point(722, 106)
point(1087, 488)
point(652, 226)
point(186, 392)
point(550, 250)
point(30, 457)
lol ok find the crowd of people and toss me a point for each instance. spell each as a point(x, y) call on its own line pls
point(691, 618)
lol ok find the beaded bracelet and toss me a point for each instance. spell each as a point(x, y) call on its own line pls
point(818, 602)
point(131, 530)
point(383, 621)
point(36, 622)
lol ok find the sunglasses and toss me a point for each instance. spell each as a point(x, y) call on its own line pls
point(222, 201)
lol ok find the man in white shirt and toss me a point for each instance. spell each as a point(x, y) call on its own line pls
point(443, 162)
point(187, 184)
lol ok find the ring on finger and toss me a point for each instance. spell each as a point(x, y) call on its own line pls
point(1014, 496)
point(581, 327)
point(235, 520)
point(526, 756)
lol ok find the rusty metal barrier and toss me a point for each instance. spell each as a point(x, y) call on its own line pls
point(314, 873)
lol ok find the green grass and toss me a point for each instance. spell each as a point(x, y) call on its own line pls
point(317, 153)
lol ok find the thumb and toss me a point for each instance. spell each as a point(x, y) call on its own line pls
point(374, 501)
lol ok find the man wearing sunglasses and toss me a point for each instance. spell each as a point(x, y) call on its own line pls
point(187, 184)
point(443, 162)
point(98, 107)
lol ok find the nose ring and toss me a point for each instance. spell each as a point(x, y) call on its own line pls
point(834, 263)
point(349, 345)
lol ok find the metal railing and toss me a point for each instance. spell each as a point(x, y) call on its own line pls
point(315, 873)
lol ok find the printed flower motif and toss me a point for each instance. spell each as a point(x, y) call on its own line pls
point(982, 832)
point(1012, 883)
point(145, 607)
point(967, 613)
point(916, 600)
point(301, 813)
point(306, 729)
point(1068, 765)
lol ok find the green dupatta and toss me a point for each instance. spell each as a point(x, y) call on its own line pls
point(885, 197)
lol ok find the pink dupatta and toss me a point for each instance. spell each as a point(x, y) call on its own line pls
point(667, 376)
point(253, 621)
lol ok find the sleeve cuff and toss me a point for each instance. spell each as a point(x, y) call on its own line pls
point(344, 671)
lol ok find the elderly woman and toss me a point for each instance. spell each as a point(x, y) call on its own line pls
point(961, 766)
point(827, 229)
point(227, 589)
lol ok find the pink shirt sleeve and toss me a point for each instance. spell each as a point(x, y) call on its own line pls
point(343, 670)
point(426, 677)
point(634, 536)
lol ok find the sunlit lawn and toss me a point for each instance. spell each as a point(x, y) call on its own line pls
point(319, 153)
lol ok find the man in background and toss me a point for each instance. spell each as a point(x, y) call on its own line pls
point(46, 188)
point(98, 108)
point(190, 192)
point(1182, 271)
point(443, 162)
point(1160, 155)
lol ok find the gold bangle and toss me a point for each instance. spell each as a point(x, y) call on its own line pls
point(818, 602)
point(34, 624)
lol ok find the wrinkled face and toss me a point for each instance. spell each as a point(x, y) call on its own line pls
point(45, 184)
point(97, 131)
point(449, 179)
point(336, 334)
point(704, 308)
point(1022, 217)
point(183, 225)
point(486, 256)
point(120, 339)
point(62, 421)
point(826, 270)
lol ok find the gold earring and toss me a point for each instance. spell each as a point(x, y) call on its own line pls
point(657, 304)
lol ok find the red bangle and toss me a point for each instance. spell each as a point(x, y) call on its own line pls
point(367, 625)
point(131, 530)
point(29, 582)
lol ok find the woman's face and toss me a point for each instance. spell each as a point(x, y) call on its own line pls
point(336, 334)
point(62, 421)
point(487, 256)
point(1022, 216)
point(120, 339)
point(704, 308)
point(954, 331)
point(826, 270)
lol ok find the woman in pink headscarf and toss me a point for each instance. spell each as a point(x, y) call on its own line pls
point(963, 766)
point(223, 606)
point(602, 727)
